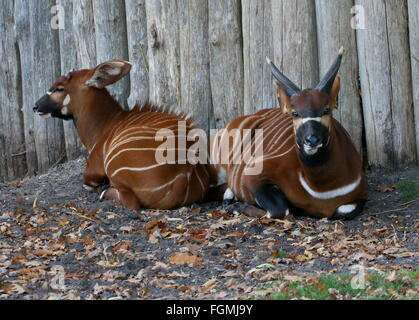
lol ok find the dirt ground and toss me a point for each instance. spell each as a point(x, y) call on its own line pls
point(58, 242)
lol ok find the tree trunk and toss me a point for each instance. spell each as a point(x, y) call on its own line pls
point(295, 41)
point(84, 33)
point(24, 48)
point(257, 44)
point(226, 60)
point(137, 49)
point(111, 41)
point(413, 6)
point(333, 31)
point(68, 55)
point(383, 52)
point(163, 52)
point(45, 62)
point(194, 60)
point(12, 140)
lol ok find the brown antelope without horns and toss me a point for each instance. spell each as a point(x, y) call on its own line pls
point(310, 165)
point(122, 144)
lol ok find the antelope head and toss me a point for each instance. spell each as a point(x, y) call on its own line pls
point(58, 101)
point(310, 109)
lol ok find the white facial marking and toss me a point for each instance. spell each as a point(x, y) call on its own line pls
point(45, 115)
point(332, 193)
point(49, 93)
point(346, 208)
point(228, 194)
point(304, 120)
point(311, 150)
point(67, 100)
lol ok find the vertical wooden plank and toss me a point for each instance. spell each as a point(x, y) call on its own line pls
point(295, 41)
point(68, 57)
point(49, 137)
point(137, 50)
point(163, 52)
point(413, 9)
point(111, 40)
point(333, 31)
point(257, 44)
point(226, 60)
point(24, 48)
point(383, 54)
point(84, 33)
point(194, 59)
point(12, 145)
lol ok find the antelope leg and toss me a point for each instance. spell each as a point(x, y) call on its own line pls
point(349, 211)
point(270, 198)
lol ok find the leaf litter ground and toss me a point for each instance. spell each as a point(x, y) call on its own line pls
point(58, 242)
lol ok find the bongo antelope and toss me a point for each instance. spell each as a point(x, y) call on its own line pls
point(122, 144)
point(310, 165)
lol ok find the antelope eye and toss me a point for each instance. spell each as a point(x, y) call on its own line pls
point(295, 114)
point(326, 111)
point(59, 90)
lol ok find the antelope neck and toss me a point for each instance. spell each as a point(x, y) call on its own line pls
point(322, 175)
point(94, 115)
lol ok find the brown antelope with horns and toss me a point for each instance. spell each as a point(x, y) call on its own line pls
point(310, 165)
point(122, 144)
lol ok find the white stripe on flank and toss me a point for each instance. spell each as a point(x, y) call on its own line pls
point(188, 176)
point(332, 193)
point(199, 179)
point(138, 169)
point(108, 162)
point(163, 185)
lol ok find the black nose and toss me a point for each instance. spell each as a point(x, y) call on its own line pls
point(35, 108)
point(312, 140)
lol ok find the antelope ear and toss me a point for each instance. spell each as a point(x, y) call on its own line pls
point(283, 98)
point(334, 93)
point(108, 73)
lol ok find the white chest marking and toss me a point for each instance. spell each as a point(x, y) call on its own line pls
point(324, 195)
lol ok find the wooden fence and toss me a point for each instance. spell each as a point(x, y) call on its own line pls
point(208, 58)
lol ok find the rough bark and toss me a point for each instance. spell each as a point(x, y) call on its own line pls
point(295, 41)
point(24, 47)
point(333, 31)
point(413, 6)
point(226, 60)
point(84, 33)
point(194, 60)
point(12, 140)
point(45, 63)
point(68, 55)
point(111, 41)
point(137, 50)
point(384, 61)
point(163, 52)
point(257, 44)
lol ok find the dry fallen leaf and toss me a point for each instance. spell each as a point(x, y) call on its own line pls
point(185, 258)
